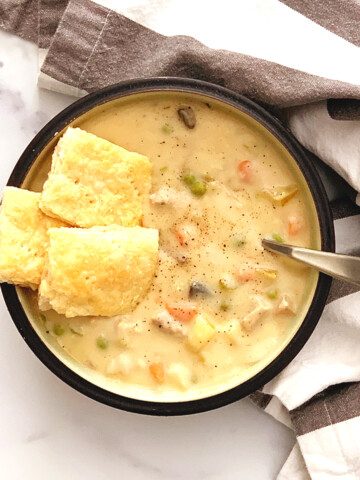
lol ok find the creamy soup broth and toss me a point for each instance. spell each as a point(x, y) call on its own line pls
point(210, 252)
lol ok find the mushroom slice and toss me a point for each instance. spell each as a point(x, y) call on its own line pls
point(187, 116)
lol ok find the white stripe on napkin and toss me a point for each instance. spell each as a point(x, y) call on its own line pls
point(334, 141)
point(347, 234)
point(294, 468)
point(45, 81)
point(251, 27)
point(332, 453)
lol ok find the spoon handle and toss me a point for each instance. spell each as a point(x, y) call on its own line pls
point(343, 267)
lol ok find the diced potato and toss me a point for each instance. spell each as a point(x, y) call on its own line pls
point(120, 364)
point(141, 363)
point(233, 330)
point(267, 273)
point(250, 321)
point(217, 353)
point(280, 195)
point(180, 375)
point(228, 282)
point(200, 333)
point(254, 353)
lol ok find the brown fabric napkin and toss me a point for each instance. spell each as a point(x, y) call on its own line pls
point(178, 56)
point(20, 17)
point(341, 17)
point(112, 47)
point(49, 16)
point(86, 45)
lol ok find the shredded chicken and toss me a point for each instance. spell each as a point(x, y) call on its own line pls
point(169, 324)
point(228, 192)
point(169, 196)
point(180, 254)
point(250, 321)
point(285, 305)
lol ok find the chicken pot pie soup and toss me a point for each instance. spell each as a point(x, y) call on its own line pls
point(219, 307)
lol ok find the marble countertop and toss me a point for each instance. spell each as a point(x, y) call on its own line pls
point(47, 428)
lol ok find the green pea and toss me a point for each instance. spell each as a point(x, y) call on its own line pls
point(272, 293)
point(224, 306)
point(277, 237)
point(102, 343)
point(58, 329)
point(198, 188)
point(121, 342)
point(163, 169)
point(166, 128)
point(189, 179)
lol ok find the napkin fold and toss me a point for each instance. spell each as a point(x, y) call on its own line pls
point(85, 45)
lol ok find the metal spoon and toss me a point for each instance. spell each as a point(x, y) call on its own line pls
point(343, 267)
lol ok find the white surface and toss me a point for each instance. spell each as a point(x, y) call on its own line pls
point(48, 430)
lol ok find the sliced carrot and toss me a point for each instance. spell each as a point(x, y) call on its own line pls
point(183, 311)
point(245, 275)
point(157, 370)
point(180, 235)
point(185, 234)
point(244, 170)
point(295, 224)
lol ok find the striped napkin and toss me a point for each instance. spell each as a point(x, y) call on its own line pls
point(308, 75)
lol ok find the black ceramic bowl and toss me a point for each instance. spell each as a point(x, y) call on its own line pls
point(25, 174)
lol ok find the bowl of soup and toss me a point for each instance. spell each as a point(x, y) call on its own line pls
point(221, 316)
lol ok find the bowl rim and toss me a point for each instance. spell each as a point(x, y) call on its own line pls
point(272, 124)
